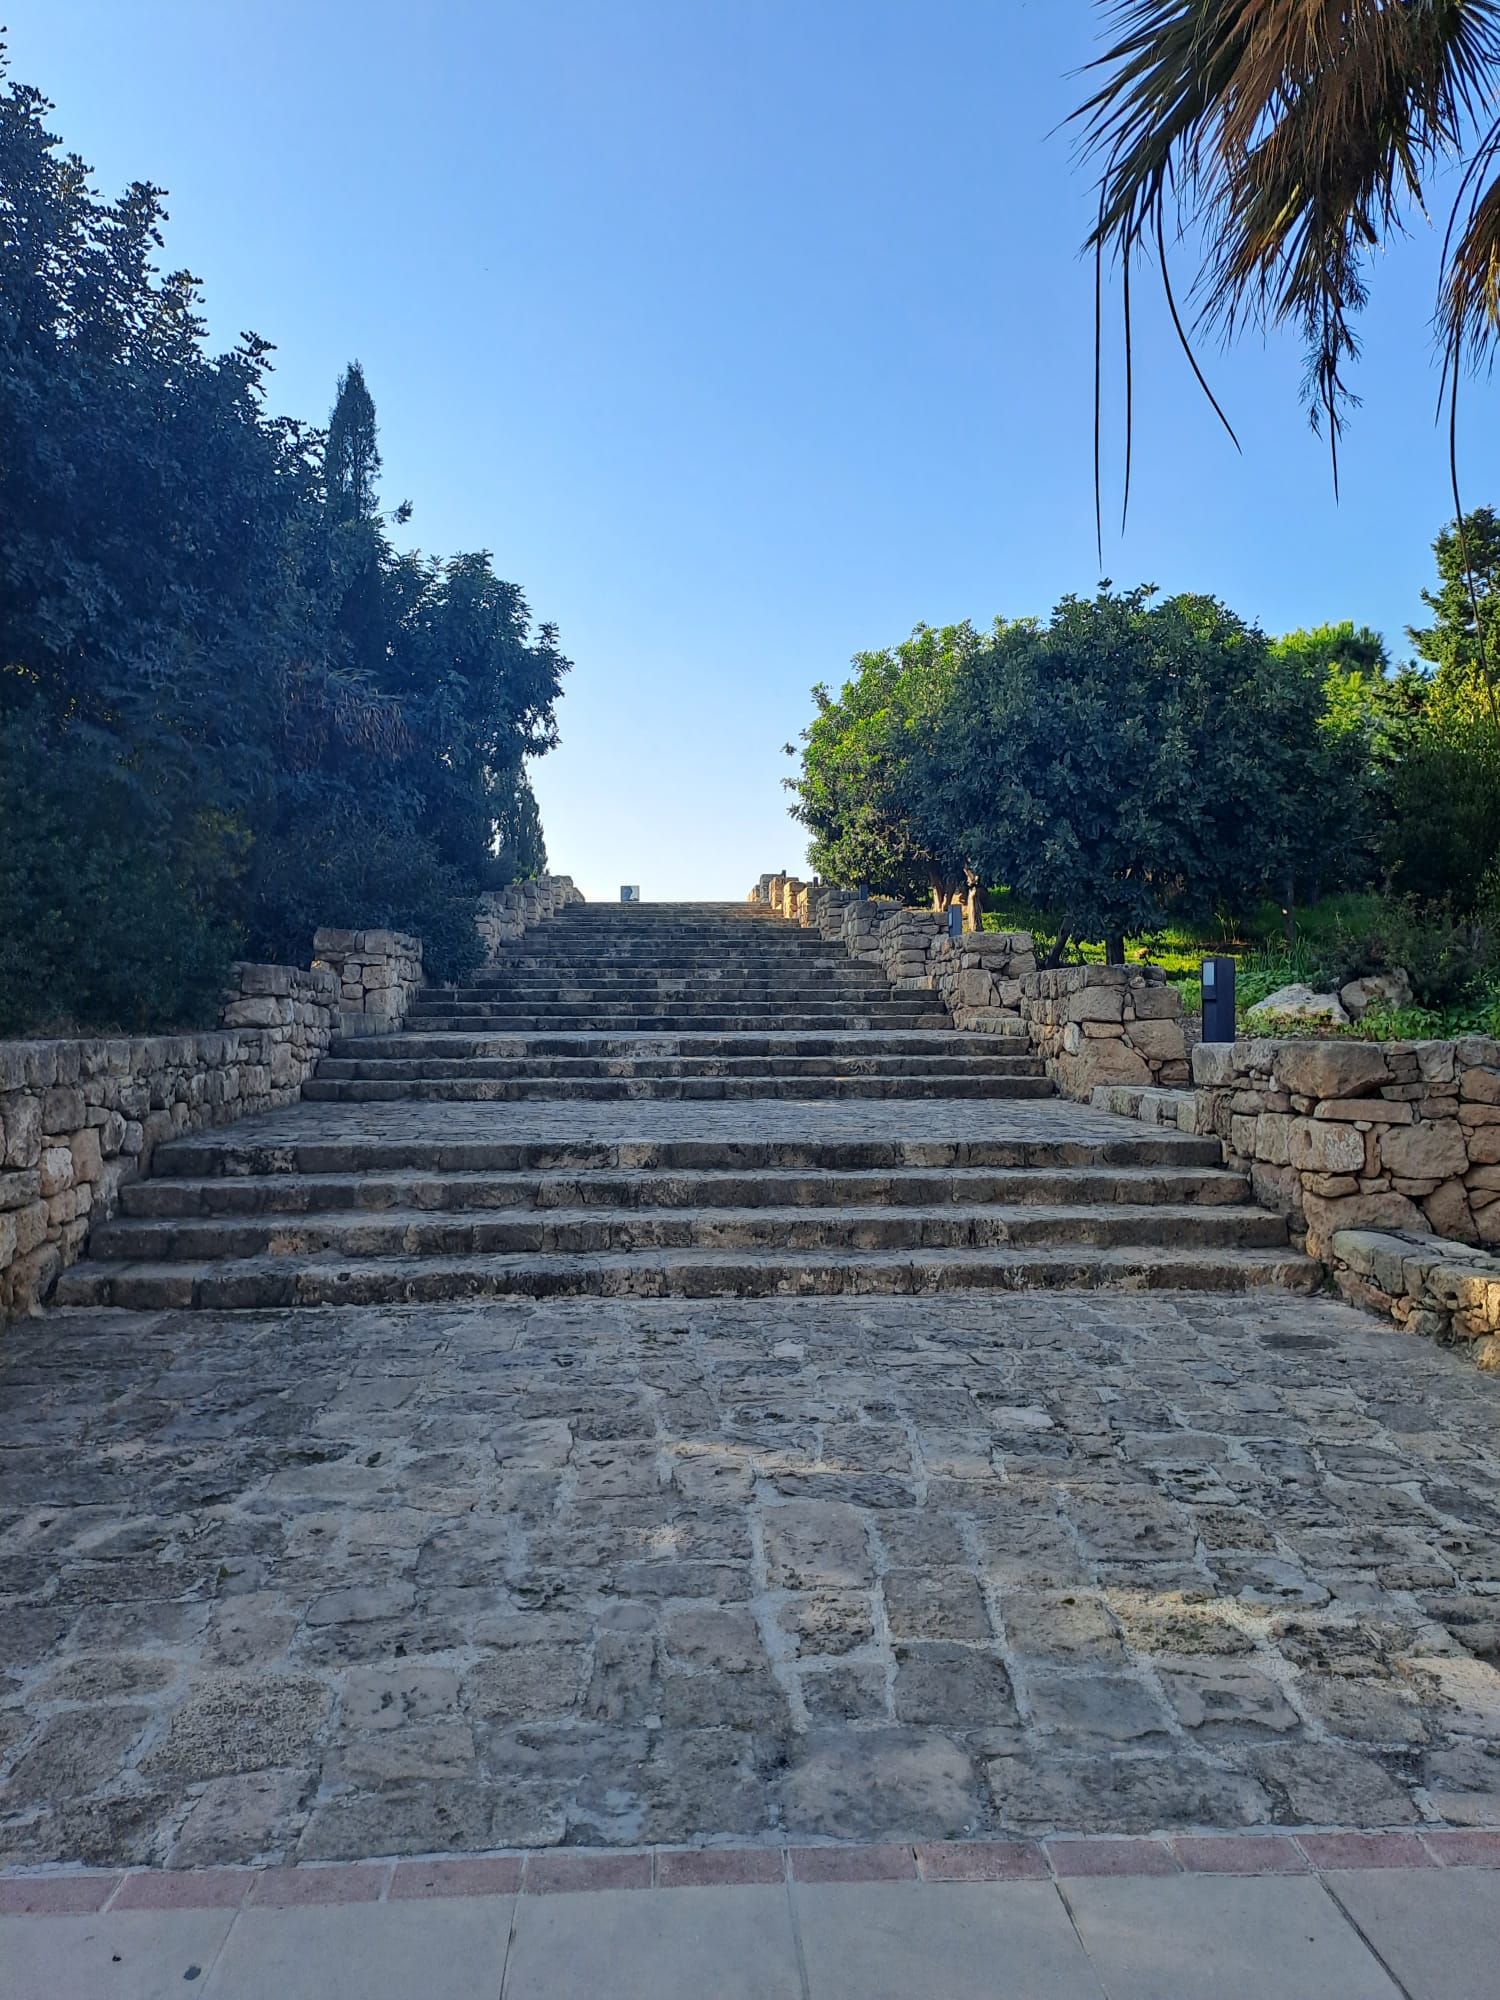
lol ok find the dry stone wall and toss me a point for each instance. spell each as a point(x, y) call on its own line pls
point(379, 973)
point(1350, 1135)
point(1101, 1025)
point(976, 976)
point(80, 1117)
point(504, 914)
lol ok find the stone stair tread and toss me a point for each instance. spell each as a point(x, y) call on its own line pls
point(378, 1193)
point(653, 1272)
point(380, 1233)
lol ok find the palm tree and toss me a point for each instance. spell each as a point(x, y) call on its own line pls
point(1291, 139)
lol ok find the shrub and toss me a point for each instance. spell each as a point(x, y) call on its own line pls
point(331, 863)
point(106, 912)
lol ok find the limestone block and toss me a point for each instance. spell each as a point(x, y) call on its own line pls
point(1324, 1148)
point(1357, 1211)
point(1097, 1003)
point(1331, 1069)
point(1448, 1212)
point(1159, 1040)
point(1298, 1003)
point(87, 1156)
point(1432, 1150)
point(21, 1125)
point(62, 1109)
point(1377, 989)
point(261, 1011)
point(1364, 1110)
point(57, 1169)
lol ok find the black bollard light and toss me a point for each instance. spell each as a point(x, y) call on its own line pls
point(955, 921)
point(1218, 999)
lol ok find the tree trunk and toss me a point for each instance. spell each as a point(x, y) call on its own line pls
point(1114, 950)
point(1059, 946)
point(1289, 908)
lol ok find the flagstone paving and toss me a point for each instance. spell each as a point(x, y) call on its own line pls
point(323, 1584)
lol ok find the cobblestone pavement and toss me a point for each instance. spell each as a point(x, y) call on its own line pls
point(327, 1584)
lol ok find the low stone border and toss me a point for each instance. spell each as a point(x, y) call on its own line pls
point(552, 1871)
point(1425, 1284)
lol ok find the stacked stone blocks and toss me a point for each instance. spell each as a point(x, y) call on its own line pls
point(977, 976)
point(1344, 1135)
point(79, 1117)
point(379, 973)
point(1098, 1025)
point(505, 914)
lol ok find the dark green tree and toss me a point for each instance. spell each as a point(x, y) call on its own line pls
point(351, 455)
point(861, 789)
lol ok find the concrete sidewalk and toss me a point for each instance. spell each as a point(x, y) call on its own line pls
point(1234, 1917)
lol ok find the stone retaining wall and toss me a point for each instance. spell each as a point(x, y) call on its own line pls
point(379, 973)
point(1099, 1025)
point(79, 1117)
point(505, 913)
point(977, 976)
point(1350, 1135)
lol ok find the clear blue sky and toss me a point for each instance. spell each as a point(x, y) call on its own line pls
point(746, 333)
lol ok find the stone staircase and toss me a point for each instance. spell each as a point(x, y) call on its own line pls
point(650, 1100)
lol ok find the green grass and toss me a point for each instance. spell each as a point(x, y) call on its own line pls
point(1266, 961)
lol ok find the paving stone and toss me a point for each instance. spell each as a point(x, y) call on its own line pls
point(1086, 1709)
point(856, 1785)
point(74, 1753)
point(240, 1722)
point(1324, 1784)
point(936, 1604)
point(828, 1621)
point(250, 1815)
point(1223, 1698)
point(657, 1664)
point(955, 1685)
point(1034, 1793)
point(1073, 1628)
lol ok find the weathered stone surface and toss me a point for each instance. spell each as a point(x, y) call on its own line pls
point(855, 1786)
point(205, 1481)
point(240, 1722)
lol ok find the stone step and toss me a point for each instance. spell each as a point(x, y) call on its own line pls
point(593, 1231)
point(446, 1191)
point(469, 1089)
point(261, 1283)
point(881, 1042)
point(402, 1068)
point(231, 1153)
point(598, 1020)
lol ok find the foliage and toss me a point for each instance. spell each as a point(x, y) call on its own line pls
point(864, 783)
point(1461, 641)
point(110, 918)
point(334, 862)
point(203, 617)
point(1094, 766)
point(1289, 139)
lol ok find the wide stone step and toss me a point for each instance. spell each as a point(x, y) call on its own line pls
point(567, 1067)
point(377, 1193)
point(407, 1045)
point(232, 1154)
point(663, 1089)
point(589, 1232)
point(260, 1283)
point(600, 1020)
